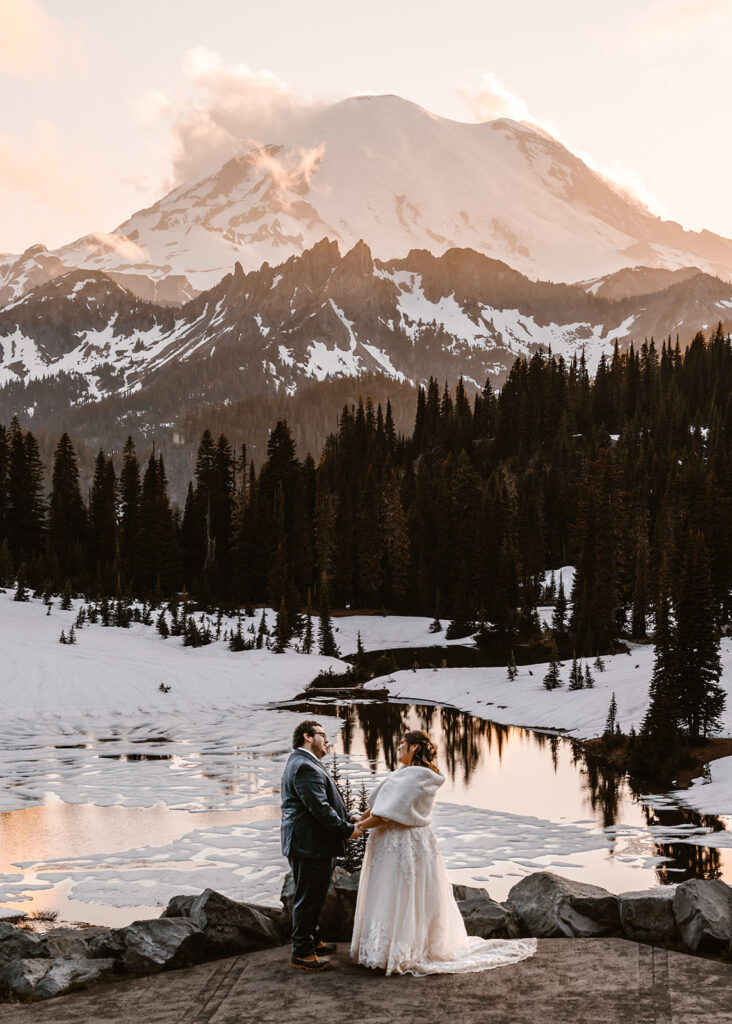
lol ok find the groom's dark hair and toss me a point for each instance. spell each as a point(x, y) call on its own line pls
point(308, 727)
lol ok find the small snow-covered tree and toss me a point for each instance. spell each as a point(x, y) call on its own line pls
point(21, 592)
point(511, 670)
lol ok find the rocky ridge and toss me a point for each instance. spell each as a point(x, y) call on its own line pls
point(695, 916)
point(82, 336)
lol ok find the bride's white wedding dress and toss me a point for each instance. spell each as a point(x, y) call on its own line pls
point(407, 920)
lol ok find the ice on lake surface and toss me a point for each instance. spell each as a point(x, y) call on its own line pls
point(105, 820)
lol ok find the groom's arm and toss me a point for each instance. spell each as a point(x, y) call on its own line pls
point(309, 784)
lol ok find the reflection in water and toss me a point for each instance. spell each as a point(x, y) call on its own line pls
point(467, 745)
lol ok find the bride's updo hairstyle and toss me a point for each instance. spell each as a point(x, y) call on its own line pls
point(425, 756)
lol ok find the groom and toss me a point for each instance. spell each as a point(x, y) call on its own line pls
point(315, 828)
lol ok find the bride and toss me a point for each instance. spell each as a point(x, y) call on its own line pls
point(407, 920)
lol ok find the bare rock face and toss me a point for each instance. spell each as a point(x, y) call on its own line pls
point(41, 979)
point(703, 911)
point(549, 906)
point(145, 947)
point(483, 916)
point(179, 906)
point(18, 944)
point(232, 927)
point(648, 916)
point(69, 943)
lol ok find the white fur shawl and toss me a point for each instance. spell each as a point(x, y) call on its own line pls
point(407, 796)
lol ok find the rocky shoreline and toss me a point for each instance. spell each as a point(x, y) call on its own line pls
point(694, 916)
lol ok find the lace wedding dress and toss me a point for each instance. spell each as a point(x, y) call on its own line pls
point(407, 920)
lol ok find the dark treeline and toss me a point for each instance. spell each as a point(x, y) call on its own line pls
point(627, 476)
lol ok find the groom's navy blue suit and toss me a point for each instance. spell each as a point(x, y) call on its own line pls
point(315, 827)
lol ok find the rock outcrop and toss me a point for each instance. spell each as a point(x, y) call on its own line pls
point(703, 910)
point(549, 906)
point(41, 979)
point(483, 916)
point(648, 916)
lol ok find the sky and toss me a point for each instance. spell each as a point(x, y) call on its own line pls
point(106, 106)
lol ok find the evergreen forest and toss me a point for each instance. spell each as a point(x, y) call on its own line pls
point(627, 476)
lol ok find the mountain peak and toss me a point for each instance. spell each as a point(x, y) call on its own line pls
point(385, 171)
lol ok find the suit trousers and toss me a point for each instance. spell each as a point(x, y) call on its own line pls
point(311, 876)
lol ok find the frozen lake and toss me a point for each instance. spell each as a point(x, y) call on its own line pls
point(108, 816)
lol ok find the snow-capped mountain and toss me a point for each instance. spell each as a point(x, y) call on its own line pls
point(387, 171)
point(85, 337)
point(20, 274)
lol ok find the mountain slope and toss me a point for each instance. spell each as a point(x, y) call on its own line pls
point(83, 337)
point(387, 171)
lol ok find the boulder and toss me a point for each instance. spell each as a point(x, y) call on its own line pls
point(179, 906)
point(19, 944)
point(336, 919)
point(549, 906)
point(484, 917)
point(41, 979)
point(232, 927)
point(648, 916)
point(703, 911)
point(145, 947)
point(467, 892)
point(69, 943)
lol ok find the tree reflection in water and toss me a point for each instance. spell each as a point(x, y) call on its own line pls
point(464, 741)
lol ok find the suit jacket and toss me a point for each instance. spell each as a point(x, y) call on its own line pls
point(314, 818)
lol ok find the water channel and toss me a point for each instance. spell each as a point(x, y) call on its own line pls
point(514, 801)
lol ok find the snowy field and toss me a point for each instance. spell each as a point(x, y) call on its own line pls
point(119, 795)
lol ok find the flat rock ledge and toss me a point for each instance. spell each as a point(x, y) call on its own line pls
point(695, 916)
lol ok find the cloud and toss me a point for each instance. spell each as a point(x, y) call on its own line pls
point(124, 247)
point(488, 99)
point(32, 44)
point(222, 110)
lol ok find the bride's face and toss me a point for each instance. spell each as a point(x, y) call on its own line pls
point(405, 752)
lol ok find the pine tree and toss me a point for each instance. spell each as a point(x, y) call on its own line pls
point(62, 639)
point(326, 641)
point(576, 682)
point(702, 699)
point(599, 664)
point(511, 670)
point(161, 624)
point(552, 679)
point(307, 640)
point(67, 518)
point(611, 723)
point(21, 593)
point(589, 681)
point(129, 487)
point(102, 527)
point(559, 615)
point(282, 628)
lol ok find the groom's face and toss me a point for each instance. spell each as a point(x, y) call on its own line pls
point(319, 743)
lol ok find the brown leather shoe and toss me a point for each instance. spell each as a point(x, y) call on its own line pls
point(311, 963)
point(325, 948)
